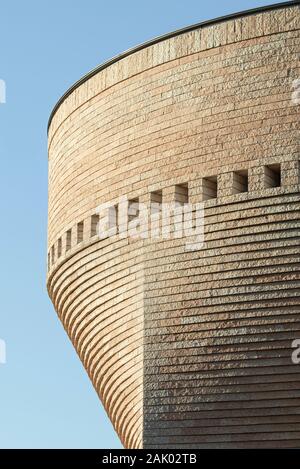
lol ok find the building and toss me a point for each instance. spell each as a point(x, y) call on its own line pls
point(186, 348)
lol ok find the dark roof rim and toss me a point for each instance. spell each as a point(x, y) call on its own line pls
point(169, 35)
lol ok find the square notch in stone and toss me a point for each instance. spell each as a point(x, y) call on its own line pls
point(240, 181)
point(156, 201)
point(181, 194)
point(272, 175)
point(94, 224)
point(79, 232)
point(59, 247)
point(68, 239)
point(53, 254)
point(209, 188)
point(133, 209)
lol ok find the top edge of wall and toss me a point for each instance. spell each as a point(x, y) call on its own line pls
point(163, 37)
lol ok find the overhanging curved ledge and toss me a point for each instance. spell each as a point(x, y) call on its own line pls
point(157, 39)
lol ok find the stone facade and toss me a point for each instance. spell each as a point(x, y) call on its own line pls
point(188, 349)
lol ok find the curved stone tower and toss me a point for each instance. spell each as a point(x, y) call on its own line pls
point(187, 349)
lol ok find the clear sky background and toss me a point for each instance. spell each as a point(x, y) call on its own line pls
point(46, 398)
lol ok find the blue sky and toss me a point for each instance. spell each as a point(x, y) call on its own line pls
point(46, 398)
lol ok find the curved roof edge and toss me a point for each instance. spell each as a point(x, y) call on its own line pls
point(157, 39)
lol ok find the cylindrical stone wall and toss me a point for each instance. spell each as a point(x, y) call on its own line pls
point(187, 349)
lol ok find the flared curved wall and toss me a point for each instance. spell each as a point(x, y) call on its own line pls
point(186, 348)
